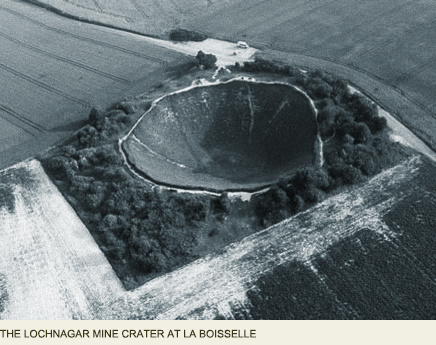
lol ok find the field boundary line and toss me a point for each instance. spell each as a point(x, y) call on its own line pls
point(83, 38)
point(66, 60)
point(417, 69)
point(43, 85)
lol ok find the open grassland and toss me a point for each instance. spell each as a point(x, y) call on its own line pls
point(54, 70)
point(150, 17)
point(391, 41)
point(51, 268)
point(383, 47)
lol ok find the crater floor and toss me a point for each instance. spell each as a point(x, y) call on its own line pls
point(237, 135)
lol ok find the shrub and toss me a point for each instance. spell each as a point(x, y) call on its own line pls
point(272, 206)
point(308, 177)
point(377, 124)
point(206, 60)
point(88, 136)
point(61, 167)
point(345, 174)
point(318, 88)
point(96, 117)
point(186, 35)
point(126, 107)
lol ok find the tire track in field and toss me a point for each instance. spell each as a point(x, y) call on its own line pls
point(380, 15)
point(402, 77)
point(22, 119)
point(43, 85)
point(15, 116)
point(88, 39)
point(68, 61)
point(139, 8)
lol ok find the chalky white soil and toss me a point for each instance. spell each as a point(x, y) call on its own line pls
point(51, 265)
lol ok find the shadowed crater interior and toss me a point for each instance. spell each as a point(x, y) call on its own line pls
point(237, 135)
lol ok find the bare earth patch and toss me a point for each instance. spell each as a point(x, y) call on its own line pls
point(51, 265)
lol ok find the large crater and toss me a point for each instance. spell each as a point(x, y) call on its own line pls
point(234, 136)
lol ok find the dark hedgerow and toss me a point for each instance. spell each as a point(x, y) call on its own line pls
point(142, 232)
point(183, 35)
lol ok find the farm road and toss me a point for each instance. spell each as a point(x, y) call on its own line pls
point(54, 70)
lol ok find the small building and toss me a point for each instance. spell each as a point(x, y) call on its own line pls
point(242, 44)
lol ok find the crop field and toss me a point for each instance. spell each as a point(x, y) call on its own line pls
point(392, 41)
point(54, 70)
point(365, 253)
point(310, 265)
point(151, 17)
point(368, 275)
point(50, 267)
point(384, 47)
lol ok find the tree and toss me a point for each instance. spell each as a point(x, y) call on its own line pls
point(206, 60)
point(182, 35)
point(377, 124)
point(96, 117)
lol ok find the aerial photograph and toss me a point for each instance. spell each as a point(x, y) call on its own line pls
point(217, 160)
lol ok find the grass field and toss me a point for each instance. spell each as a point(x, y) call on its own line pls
point(391, 41)
point(384, 47)
point(54, 70)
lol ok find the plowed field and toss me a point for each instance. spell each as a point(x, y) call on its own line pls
point(53, 70)
point(390, 42)
point(366, 253)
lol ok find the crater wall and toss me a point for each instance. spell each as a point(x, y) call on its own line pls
point(238, 135)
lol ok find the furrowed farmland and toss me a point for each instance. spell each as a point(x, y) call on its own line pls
point(391, 41)
point(384, 47)
point(64, 68)
point(150, 170)
point(51, 266)
point(367, 253)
